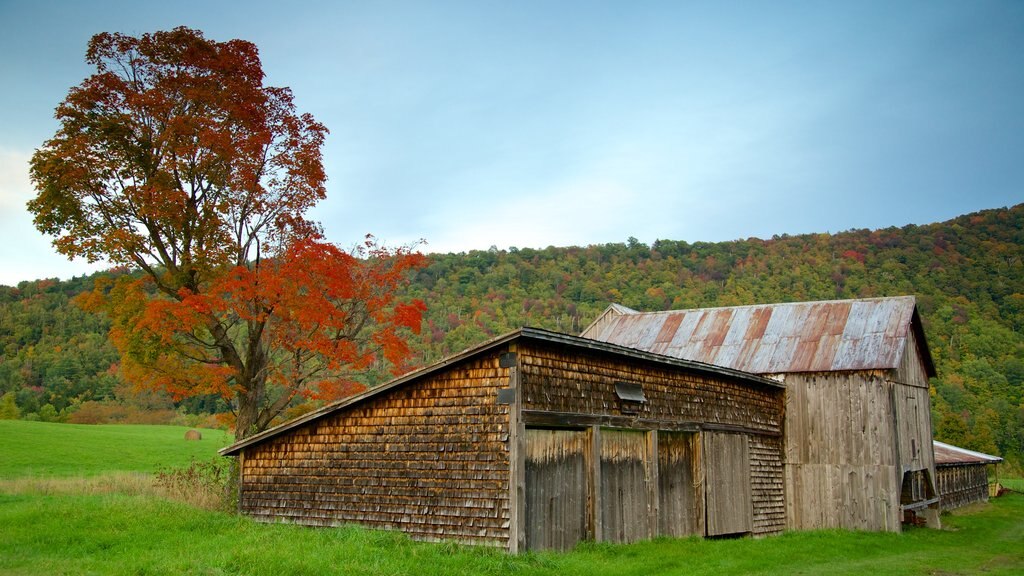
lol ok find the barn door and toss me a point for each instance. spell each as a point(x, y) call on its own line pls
point(680, 505)
point(624, 492)
point(556, 488)
point(727, 484)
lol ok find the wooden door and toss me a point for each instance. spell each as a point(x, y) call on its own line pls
point(728, 506)
point(624, 490)
point(680, 502)
point(556, 488)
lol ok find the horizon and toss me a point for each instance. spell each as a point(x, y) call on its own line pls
point(508, 249)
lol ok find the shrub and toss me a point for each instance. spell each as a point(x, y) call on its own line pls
point(208, 484)
point(94, 412)
point(9, 407)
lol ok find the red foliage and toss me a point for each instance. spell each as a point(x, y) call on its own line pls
point(175, 159)
point(854, 255)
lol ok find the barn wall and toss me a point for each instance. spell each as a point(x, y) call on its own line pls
point(911, 370)
point(573, 383)
point(913, 419)
point(913, 414)
point(578, 389)
point(767, 484)
point(962, 484)
point(841, 469)
point(727, 484)
point(429, 458)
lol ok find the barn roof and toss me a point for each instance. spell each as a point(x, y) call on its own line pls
point(949, 455)
point(523, 334)
point(827, 336)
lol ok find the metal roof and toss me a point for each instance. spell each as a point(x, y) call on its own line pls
point(949, 455)
point(526, 334)
point(827, 336)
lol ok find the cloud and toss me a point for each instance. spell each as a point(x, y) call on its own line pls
point(26, 254)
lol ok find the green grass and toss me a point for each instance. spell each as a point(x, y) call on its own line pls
point(115, 534)
point(108, 524)
point(44, 449)
point(1013, 483)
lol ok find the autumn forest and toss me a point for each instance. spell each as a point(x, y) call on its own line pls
point(968, 276)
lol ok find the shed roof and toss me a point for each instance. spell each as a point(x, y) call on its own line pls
point(836, 335)
point(523, 334)
point(949, 455)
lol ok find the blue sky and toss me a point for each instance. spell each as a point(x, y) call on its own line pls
point(472, 124)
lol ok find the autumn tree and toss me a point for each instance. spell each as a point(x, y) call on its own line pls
point(175, 160)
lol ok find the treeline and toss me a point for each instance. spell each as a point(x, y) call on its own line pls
point(57, 364)
point(967, 273)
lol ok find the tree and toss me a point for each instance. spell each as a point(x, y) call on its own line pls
point(8, 407)
point(174, 159)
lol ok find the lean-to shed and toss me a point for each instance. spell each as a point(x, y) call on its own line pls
point(533, 440)
point(858, 438)
point(962, 475)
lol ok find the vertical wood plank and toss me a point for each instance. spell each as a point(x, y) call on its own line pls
point(624, 485)
point(241, 478)
point(678, 485)
point(596, 501)
point(556, 488)
point(729, 507)
point(517, 465)
point(653, 501)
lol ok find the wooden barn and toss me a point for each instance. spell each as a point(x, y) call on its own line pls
point(858, 438)
point(962, 475)
point(533, 440)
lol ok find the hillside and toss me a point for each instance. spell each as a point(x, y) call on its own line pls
point(967, 273)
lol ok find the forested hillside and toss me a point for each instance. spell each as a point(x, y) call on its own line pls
point(968, 276)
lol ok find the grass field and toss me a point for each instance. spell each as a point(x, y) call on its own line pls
point(126, 533)
point(1013, 483)
point(45, 449)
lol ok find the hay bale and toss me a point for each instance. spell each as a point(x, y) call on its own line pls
point(193, 435)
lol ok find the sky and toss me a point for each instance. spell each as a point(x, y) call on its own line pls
point(555, 123)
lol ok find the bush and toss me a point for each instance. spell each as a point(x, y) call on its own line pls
point(47, 413)
point(210, 485)
point(9, 407)
point(94, 412)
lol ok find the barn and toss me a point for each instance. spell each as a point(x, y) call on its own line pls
point(858, 439)
point(533, 440)
point(962, 475)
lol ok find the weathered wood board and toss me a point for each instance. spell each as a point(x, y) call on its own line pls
point(727, 489)
point(556, 488)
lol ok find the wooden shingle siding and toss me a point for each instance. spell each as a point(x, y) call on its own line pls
point(767, 482)
point(430, 459)
point(565, 383)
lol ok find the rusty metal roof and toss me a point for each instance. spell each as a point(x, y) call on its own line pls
point(949, 455)
point(825, 336)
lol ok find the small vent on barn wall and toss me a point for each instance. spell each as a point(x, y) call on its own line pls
point(631, 397)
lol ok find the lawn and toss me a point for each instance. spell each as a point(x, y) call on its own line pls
point(134, 532)
point(116, 534)
point(45, 449)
